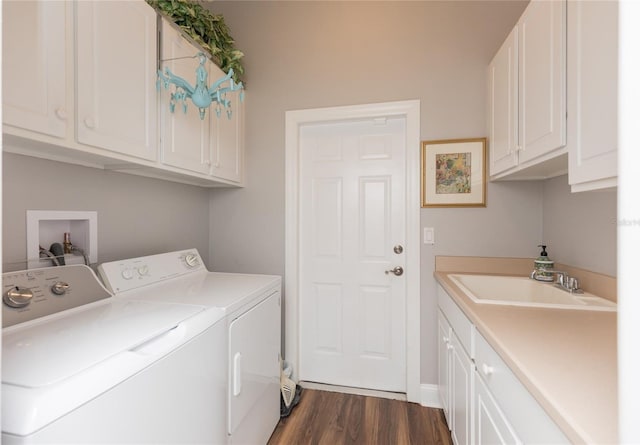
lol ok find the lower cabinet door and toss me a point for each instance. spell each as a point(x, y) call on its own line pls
point(444, 363)
point(491, 425)
point(462, 371)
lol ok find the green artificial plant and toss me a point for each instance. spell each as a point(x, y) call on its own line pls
point(205, 28)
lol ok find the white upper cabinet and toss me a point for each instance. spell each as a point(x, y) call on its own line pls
point(79, 86)
point(592, 94)
point(542, 79)
point(503, 112)
point(185, 138)
point(228, 137)
point(527, 94)
point(212, 146)
point(116, 78)
point(34, 51)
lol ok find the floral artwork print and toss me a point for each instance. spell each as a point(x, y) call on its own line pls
point(453, 173)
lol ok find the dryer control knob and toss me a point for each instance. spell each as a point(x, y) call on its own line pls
point(127, 274)
point(60, 288)
point(18, 297)
point(192, 260)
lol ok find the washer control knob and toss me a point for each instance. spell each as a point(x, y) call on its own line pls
point(127, 274)
point(143, 270)
point(192, 260)
point(18, 297)
point(60, 288)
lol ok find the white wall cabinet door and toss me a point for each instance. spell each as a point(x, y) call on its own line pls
point(185, 138)
point(228, 137)
point(542, 78)
point(593, 94)
point(34, 53)
point(116, 77)
point(503, 111)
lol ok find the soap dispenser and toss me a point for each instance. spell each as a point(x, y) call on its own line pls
point(543, 265)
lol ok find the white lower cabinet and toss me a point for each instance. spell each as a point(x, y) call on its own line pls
point(492, 426)
point(529, 421)
point(483, 400)
point(456, 369)
point(462, 370)
point(444, 366)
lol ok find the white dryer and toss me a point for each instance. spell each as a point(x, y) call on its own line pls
point(81, 367)
point(251, 304)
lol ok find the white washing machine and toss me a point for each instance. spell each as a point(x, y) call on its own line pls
point(80, 366)
point(251, 304)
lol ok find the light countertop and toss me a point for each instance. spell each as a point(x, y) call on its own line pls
point(567, 359)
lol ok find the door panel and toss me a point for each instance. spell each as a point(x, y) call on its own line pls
point(116, 81)
point(185, 138)
point(34, 77)
point(352, 202)
point(327, 226)
point(542, 79)
point(503, 127)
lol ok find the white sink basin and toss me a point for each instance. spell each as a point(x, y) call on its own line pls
point(523, 291)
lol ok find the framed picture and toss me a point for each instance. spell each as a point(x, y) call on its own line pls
point(454, 173)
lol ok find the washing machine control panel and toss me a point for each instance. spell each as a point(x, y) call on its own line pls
point(31, 294)
point(133, 273)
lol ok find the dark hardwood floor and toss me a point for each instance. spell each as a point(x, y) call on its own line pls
point(332, 418)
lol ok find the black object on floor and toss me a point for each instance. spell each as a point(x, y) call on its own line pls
point(286, 410)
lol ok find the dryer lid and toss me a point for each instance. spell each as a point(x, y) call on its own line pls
point(47, 352)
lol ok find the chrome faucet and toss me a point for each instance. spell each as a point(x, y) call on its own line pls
point(563, 280)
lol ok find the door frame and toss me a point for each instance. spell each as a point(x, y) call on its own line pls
point(410, 110)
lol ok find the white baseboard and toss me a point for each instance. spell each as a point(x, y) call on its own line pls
point(356, 391)
point(428, 393)
point(429, 396)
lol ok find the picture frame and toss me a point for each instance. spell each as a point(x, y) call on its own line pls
point(454, 173)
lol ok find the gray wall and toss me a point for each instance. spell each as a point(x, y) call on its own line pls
point(580, 228)
point(136, 216)
point(313, 54)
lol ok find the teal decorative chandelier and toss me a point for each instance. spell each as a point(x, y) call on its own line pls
point(201, 94)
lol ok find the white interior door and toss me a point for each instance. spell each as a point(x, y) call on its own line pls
point(352, 215)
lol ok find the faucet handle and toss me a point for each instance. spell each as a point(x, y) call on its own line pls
point(562, 279)
point(573, 284)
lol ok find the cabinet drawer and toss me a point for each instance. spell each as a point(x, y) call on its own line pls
point(459, 322)
point(528, 418)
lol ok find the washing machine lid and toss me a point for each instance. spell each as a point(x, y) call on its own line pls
point(58, 347)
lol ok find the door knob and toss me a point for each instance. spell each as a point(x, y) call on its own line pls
point(397, 271)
